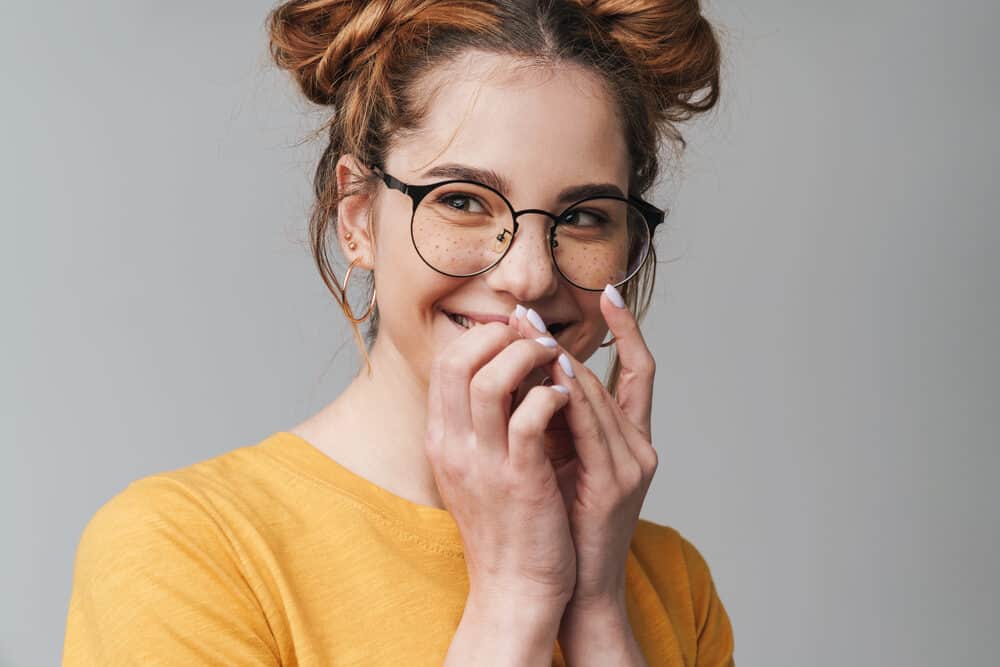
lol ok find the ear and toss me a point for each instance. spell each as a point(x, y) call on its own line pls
point(353, 231)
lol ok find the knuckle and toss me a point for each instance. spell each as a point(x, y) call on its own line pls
point(452, 369)
point(649, 460)
point(525, 423)
point(631, 475)
point(483, 388)
point(646, 364)
point(520, 430)
point(451, 467)
point(452, 463)
point(434, 436)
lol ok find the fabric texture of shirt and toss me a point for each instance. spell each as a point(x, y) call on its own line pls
point(275, 554)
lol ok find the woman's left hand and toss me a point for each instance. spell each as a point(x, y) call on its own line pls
point(605, 483)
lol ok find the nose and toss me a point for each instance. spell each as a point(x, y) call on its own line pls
point(527, 271)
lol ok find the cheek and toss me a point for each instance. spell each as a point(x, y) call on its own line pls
point(592, 329)
point(589, 304)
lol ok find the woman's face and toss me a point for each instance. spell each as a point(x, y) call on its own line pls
point(540, 131)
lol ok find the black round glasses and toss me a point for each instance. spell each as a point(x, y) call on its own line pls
point(462, 228)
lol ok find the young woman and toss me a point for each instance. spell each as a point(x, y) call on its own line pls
point(473, 496)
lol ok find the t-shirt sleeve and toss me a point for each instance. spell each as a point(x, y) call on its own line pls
point(715, 633)
point(156, 581)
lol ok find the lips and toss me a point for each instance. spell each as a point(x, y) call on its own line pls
point(462, 320)
point(469, 320)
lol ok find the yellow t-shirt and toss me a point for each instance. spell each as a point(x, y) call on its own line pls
point(275, 554)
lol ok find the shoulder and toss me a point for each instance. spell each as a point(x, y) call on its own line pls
point(159, 561)
point(156, 531)
point(192, 498)
point(660, 547)
point(147, 509)
point(683, 579)
point(211, 503)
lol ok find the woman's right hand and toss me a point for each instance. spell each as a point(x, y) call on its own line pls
point(491, 468)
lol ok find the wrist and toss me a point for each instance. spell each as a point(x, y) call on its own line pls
point(598, 632)
point(608, 613)
point(606, 604)
point(510, 611)
point(506, 632)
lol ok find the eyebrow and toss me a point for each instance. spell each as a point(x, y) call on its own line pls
point(497, 182)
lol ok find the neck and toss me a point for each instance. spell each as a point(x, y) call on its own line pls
point(376, 426)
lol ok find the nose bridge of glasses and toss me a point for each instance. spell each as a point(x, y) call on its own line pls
point(551, 216)
point(553, 219)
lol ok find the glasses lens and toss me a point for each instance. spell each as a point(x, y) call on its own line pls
point(461, 228)
point(601, 241)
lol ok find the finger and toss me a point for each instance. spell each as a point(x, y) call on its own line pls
point(530, 323)
point(527, 425)
point(635, 382)
point(588, 437)
point(639, 442)
point(608, 414)
point(452, 372)
point(516, 315)
point(491, 387)
point(523, 323)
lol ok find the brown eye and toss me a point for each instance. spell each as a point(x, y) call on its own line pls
point(461, 202)
point(582, 218)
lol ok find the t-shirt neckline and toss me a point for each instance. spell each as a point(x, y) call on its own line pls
point(432, 525)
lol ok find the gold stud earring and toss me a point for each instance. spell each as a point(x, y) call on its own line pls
point(347, 235)
point(352, 245)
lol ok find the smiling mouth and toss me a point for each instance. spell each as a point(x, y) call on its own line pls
point(465, 322)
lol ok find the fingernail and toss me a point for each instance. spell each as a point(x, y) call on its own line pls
point(561, 389)
point(566, 365)
point(614, 295)
point(536, 320)
point(547, 341)
point(519, 311)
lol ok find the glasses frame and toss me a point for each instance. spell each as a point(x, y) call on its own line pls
point(652, 216)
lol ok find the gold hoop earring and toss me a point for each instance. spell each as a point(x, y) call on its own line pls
point(343, 297)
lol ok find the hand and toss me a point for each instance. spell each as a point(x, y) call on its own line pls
point(491, 469)
point(605, 472)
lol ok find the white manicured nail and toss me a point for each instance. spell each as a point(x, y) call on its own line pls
point(561, 389)
point(566, 365)
point(614, 295)
point(536, 320)
point(519, 311)
point(547, 341)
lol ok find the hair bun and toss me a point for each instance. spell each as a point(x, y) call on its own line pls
point(316, 41)
point(672, 44)
point(323, 42)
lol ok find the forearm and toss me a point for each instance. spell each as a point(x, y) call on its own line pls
point(505, 633)
point(599, 636)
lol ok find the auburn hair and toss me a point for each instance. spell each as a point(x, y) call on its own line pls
point(366, 59)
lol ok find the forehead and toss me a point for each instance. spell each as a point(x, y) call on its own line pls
point(539, 126)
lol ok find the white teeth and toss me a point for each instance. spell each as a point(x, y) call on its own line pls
point(462, 320)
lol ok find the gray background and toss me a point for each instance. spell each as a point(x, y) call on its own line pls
point(828, 399)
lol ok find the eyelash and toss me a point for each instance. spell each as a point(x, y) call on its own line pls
point(601, 220)
point(450, 197)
